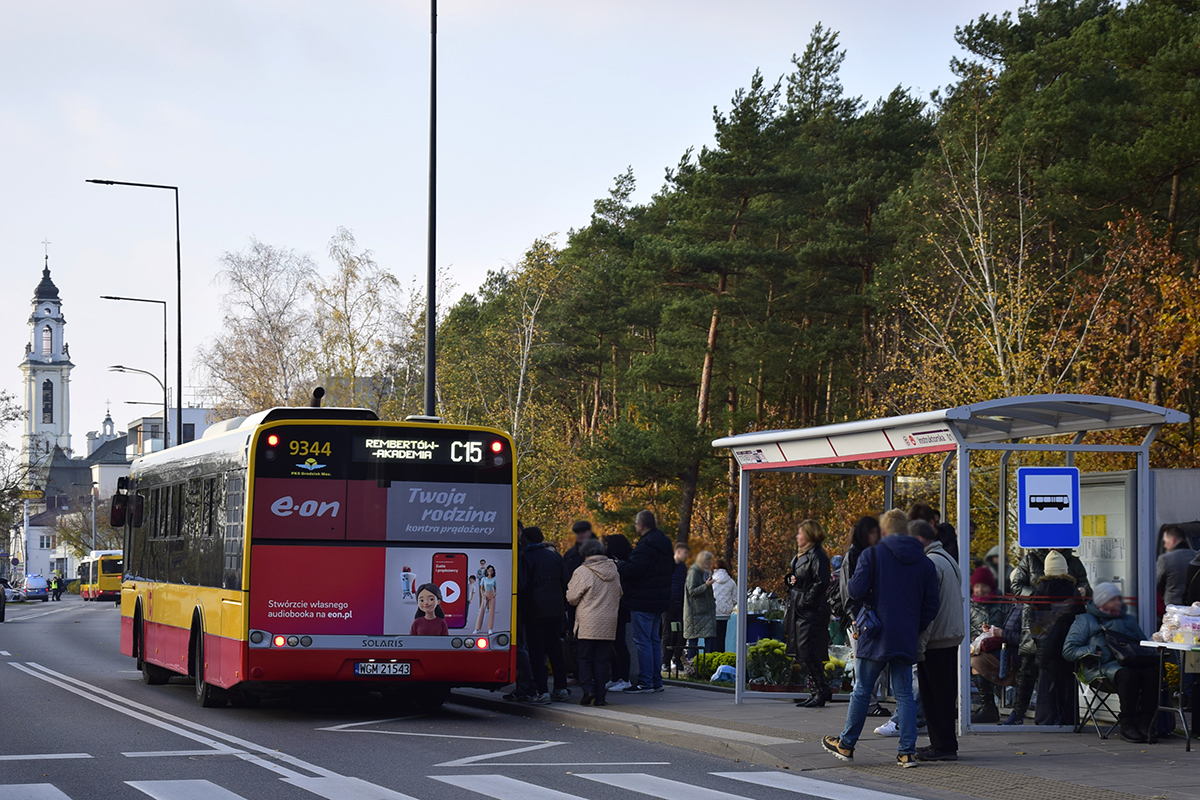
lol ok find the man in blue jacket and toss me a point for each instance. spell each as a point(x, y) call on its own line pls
point(898, 581)
point(646, 581)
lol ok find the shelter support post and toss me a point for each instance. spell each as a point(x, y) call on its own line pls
point(963, 520)
point(743, 582)
point(1002, 538)
point(1146, 538)
point(889, 484)
point(943, 488)
point(1071, 453)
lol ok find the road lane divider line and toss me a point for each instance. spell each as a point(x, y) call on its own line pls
point(46, 757)
point(464, 762)
point(662, 788)
point(32, 791)
point(22, 617)
point(327, 784)
point(502, 787)
point(181, 723)
point(184, 790)
point(129, 712)
point(346, 725)
point(349, 728)
point(809, 786)
point(168, 753)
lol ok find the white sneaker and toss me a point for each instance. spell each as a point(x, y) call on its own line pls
point(888, 729)
point(617, 686)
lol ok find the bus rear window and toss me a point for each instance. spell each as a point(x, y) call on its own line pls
point(111, 566)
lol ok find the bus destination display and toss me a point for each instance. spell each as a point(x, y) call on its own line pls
point(377, 449)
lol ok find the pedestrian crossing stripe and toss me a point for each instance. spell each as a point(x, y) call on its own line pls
point(497, 787)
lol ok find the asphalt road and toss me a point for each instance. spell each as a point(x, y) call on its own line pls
point(77, 722)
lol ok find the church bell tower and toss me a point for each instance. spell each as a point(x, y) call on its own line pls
point(47, 370)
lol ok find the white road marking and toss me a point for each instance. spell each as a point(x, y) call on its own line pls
point(809, 786)
point(45, 757)
point(352, 727)
point(343, 788)
point(167, 753)
point(659, 787)
point(327, 784)
point(23, 617)
point(469, 760)
point(502, 787)
point(31, 791)
point(5, 653)
point(184, 790)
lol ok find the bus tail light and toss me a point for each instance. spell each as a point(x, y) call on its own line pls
point(280, 641)
point(481, 643)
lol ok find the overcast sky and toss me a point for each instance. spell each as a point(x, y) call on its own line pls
point(285, 120)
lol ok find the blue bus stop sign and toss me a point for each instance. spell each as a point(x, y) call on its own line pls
point(1048, 507)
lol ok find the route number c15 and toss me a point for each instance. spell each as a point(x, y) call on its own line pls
point(470, 452)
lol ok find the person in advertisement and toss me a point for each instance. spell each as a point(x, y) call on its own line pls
point(487, 593)
point(430, 619)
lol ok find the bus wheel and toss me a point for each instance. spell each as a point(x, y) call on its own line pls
point(207, 695)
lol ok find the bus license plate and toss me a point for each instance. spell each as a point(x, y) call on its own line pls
point(377, 668)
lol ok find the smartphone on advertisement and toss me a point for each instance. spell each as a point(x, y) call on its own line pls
point(450, 574)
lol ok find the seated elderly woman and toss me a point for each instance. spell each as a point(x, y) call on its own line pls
point(1087, 643)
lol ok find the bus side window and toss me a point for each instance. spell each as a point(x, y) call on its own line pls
point(232, 521)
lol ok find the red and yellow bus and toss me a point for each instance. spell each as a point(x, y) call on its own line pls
point(291, 547)
point(100, 575)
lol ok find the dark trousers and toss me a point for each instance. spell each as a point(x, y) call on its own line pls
point(546, 643)
point(1138, 690)
point(709, 646)
point(672, 634)
point(620, 662)
point(594, 666)
point(937, 677)
point(524, 686)
point(722, 632)
point(1056, 696)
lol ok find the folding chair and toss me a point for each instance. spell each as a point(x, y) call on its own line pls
point(1096, 694)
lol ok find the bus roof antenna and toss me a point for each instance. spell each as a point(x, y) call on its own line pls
point(315, 401)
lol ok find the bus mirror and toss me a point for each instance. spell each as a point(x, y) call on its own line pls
point(123, 483)
point(135, 511)
point(116, 513)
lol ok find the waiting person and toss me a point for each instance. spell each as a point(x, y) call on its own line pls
point(700, 607)
point(595, 593)
point(725, 593)
point(1172, 565)
point(646, 578)
point(865, 536)
point(899, 582)
point(987, 617)
point(948, 538)
point(672, 620)
point(572, 560)
point(992, 562)
point(1086, 643)
point(542, 611)
point(1054, 595)
point(1031, 569)
point(523, 689)
point(806, 620)
point(937, 669)
point(619, 548)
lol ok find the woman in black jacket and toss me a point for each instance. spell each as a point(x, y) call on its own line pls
point(806, 623)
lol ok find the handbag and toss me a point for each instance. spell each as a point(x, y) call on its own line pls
point(867, 623)
point(1128, 652)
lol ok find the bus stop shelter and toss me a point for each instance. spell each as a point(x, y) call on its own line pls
point(1009, 425)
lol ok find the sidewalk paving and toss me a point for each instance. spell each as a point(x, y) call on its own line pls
point(1019, 765)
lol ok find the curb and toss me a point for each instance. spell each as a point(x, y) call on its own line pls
point(635, 727)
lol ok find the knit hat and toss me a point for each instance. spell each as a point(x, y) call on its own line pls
point(1055, 563)
point(1104, 593)
point(984, 575)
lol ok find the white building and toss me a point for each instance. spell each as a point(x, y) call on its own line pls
point(47, 372)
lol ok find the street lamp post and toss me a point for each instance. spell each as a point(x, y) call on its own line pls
point(122, 368)
point(178, 304)
point(166, 400)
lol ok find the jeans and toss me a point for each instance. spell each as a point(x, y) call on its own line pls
point(866, 672)
point(649, 647)
point(916, 692)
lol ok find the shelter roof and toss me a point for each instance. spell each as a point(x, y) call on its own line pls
point(1011, 418)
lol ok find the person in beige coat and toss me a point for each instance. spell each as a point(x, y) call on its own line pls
point(595, 591)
